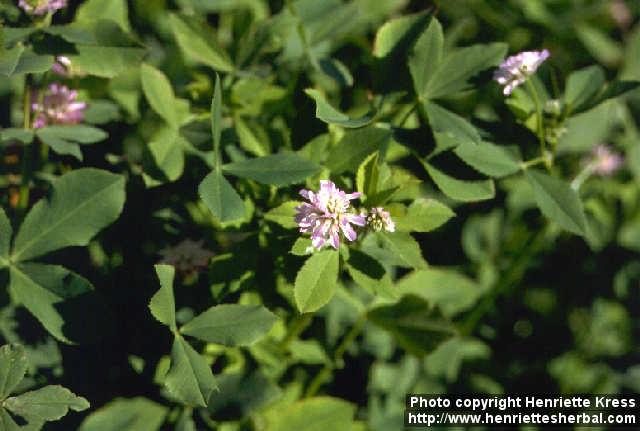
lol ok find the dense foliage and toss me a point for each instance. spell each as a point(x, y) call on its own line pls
point(287, 215)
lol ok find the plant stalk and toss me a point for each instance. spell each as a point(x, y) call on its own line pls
point(325, 372)
point(23, 202)
point(540, 127)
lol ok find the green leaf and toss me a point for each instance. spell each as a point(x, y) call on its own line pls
point(6, 232)
point(216, 118)
point(65, 139)
point(405, 248)
point(13, 366)
point(368, 176)
point(7, 423)
point(61, 146)
point(168, 153)
point(558, 201)
point(19, 60)
point(13, 35)
point(158, 91)
point(231, 324)
point(110, 52)
point(284, 214)
point(221, 198)
point(50, 403)
point(582, 85)
point(445, 123)
point(316, 281)
point(392, 36)
point(163, 303)
point(189, 379)
point(330, 115)
point(82, 203)
point(450, 291)
point(198, 45)
point(43, 290)
point(302, 247)
point(115, 10)
point(598, 42)
point(369, 273)
point(423, 215)
point(9, 60)
point(314, 414)
point(447, 359)
point(489, 159)
point(355, 146)
point(611, 91)
point(277, 169)
point(414, 323)
point(426, 56)
point(252, 137)
point(106, 61)
point(461, 190)
point(457, 68)
point(75, 133)
point(74, 33)
point(24, 136)
point(134, 414)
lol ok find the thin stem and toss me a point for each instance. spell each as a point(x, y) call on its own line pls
point(298, 325)
point(582, 177)
point(26, 103)
point(325, 372)
point(536, 100)
point(533, 162)
point(23, 202)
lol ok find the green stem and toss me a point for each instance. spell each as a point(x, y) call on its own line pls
point(582, 177)
point(533, 162)
point(325, 372)
point(23, 202)
point(298, 325)
point(515, 273)
point(536, 100)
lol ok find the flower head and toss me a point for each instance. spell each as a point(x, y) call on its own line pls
point(41, 7)
point(327, 215)
point(516, 69)
point(58, 105)
point(380, 219)
point(604, 161)
point(188, 257)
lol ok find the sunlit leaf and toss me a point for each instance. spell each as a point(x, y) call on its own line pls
point(558, 201)
point(231, 324)
point(82, 203)
point(316, 281)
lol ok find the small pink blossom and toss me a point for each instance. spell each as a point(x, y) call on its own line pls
point(62, 66)
point(327, 215)
point(620, 13)
point(41, 7)
point(516, 69)
point(58, 105)
point(604, 161)
point(379, 219)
